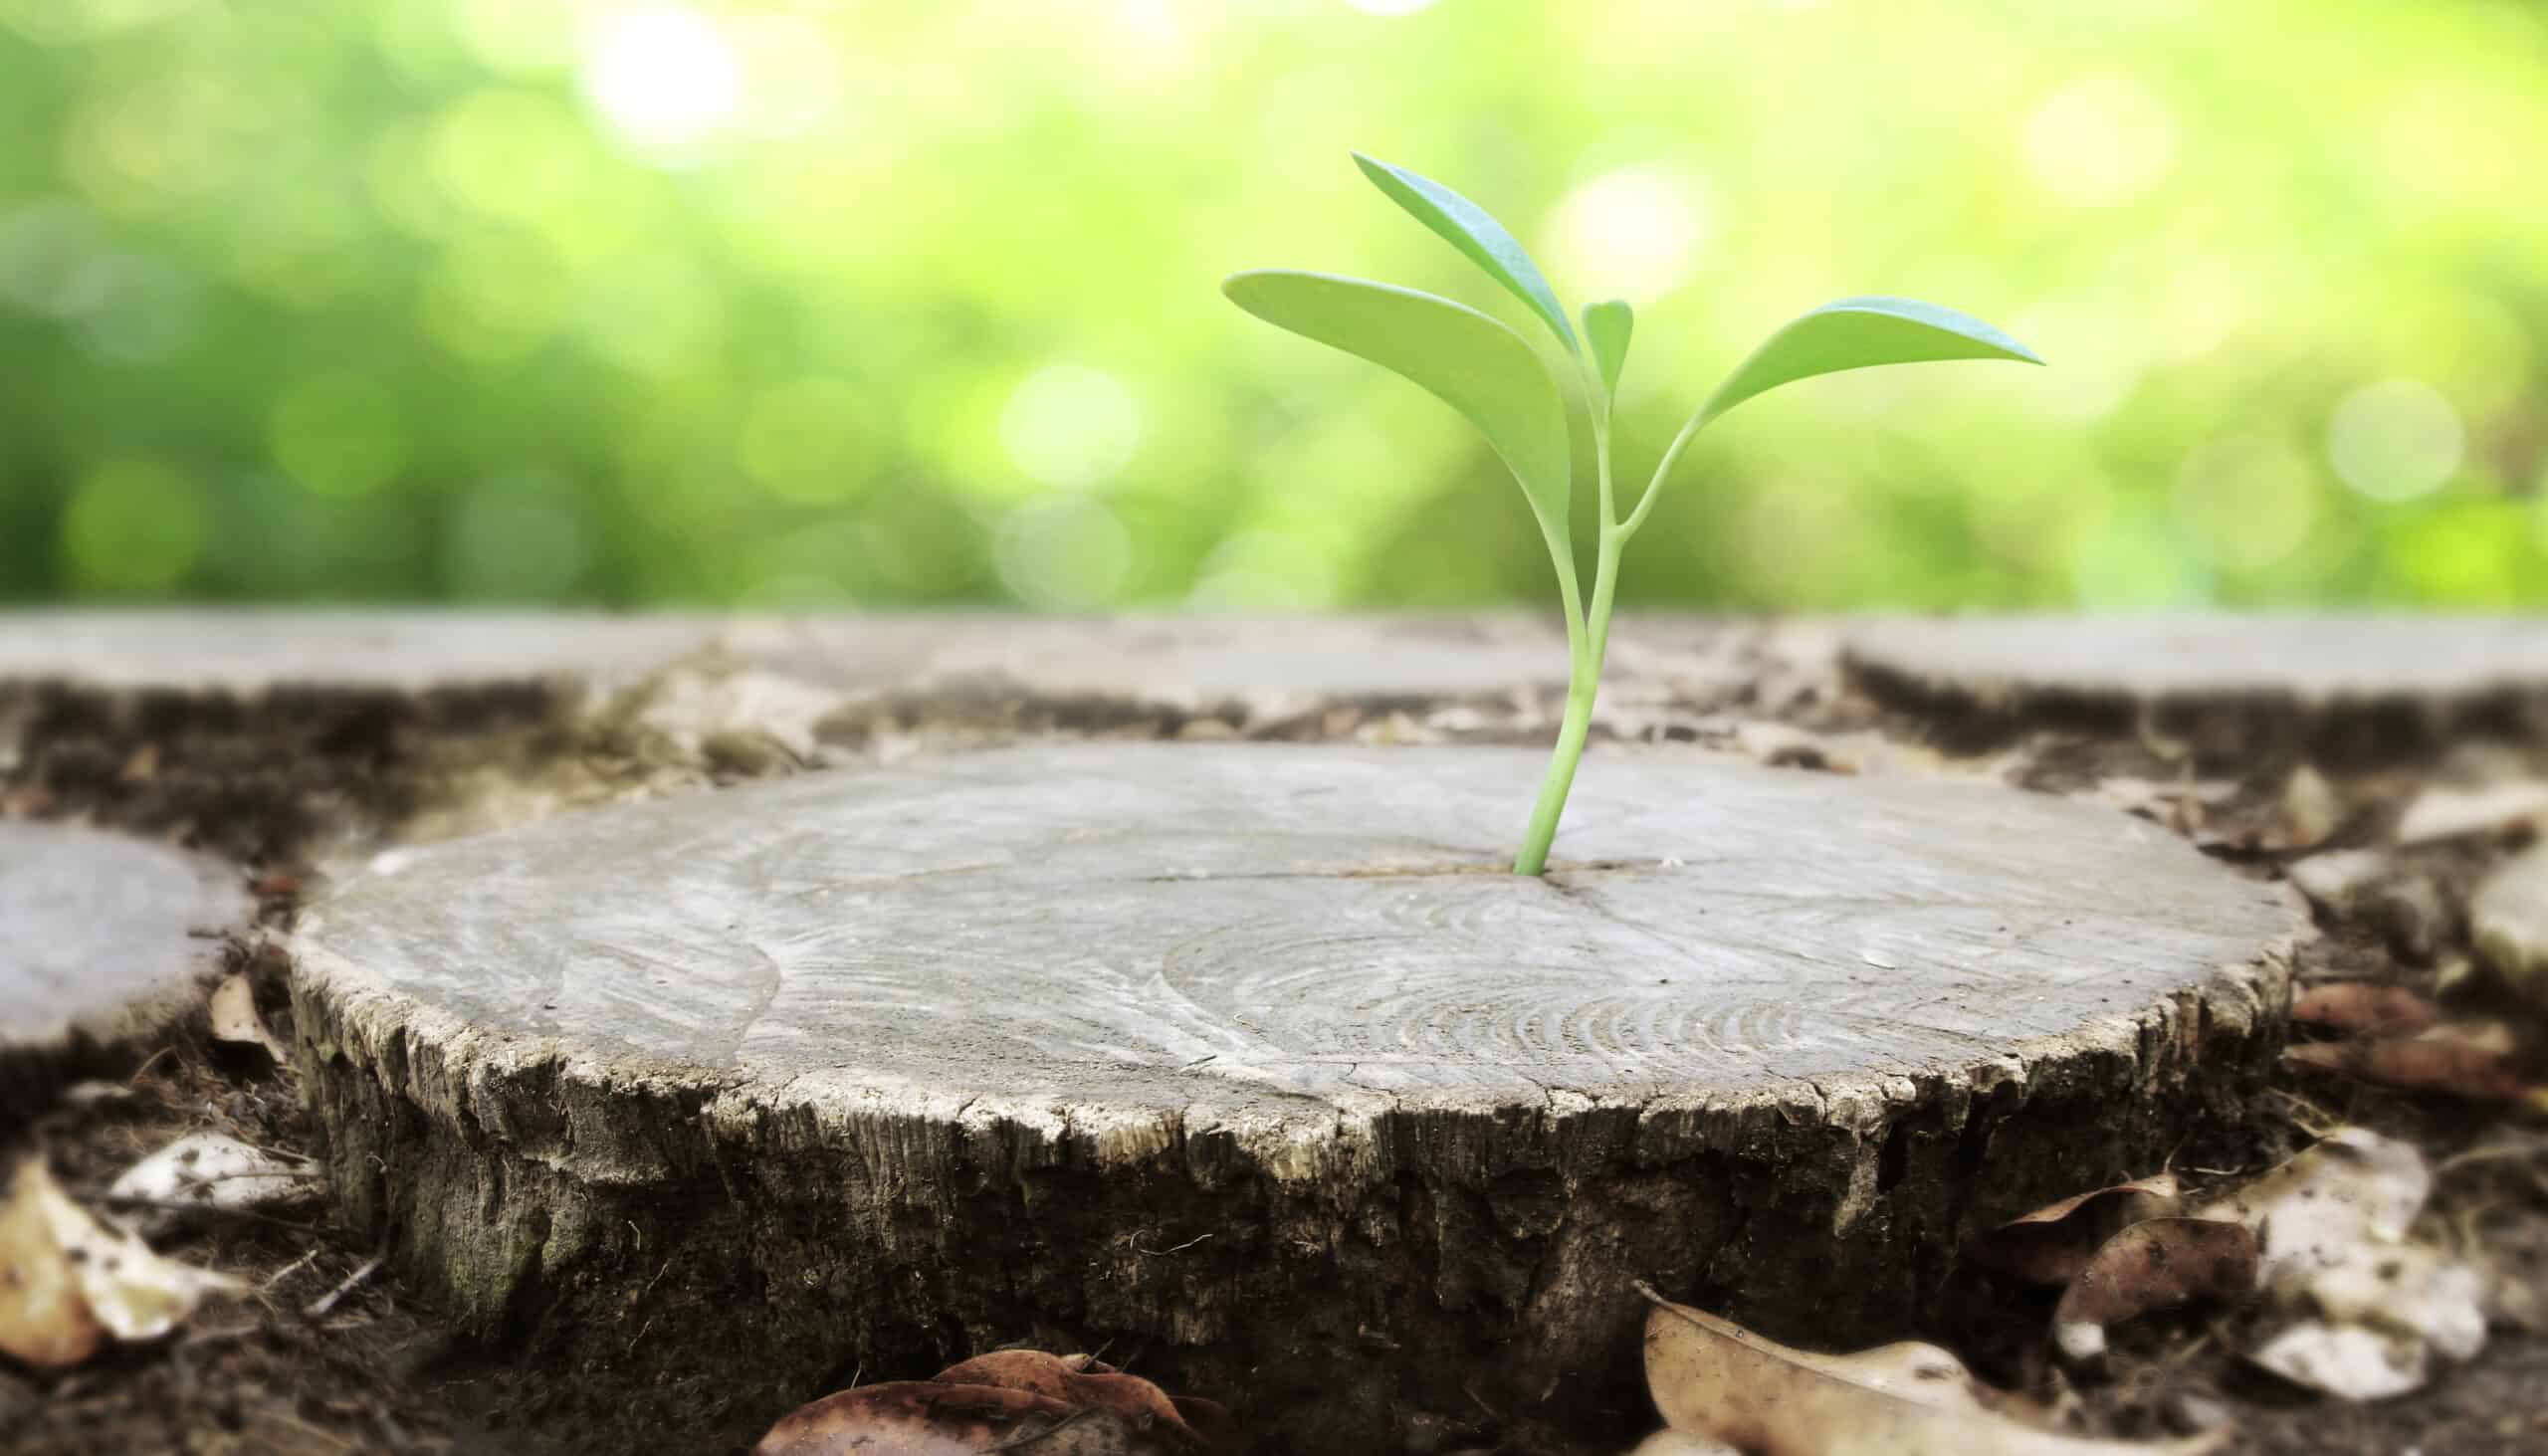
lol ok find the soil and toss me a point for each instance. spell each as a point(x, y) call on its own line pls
point(374, 1371)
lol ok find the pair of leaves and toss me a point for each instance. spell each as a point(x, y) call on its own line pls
point(1489, 373)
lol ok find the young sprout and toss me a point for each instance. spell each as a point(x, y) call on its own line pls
point(1490, 373)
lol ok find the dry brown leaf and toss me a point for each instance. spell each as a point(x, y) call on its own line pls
point(234, 1017)
point(2472, 1059)
point(1079, 1381)
point(2053, 1243)
point(934, 1418)
point(2361, 1006)
point(1715, 1379)
point(2151, 1265)
point(68, 1283)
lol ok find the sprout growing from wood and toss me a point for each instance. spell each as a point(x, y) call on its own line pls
point(1490, 373)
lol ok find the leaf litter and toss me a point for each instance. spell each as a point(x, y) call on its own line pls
point(69, 1286)
point(1714, 1378)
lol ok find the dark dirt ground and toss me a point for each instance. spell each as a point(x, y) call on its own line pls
point(372, 1372)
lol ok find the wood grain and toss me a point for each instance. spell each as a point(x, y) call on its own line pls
point(1130, 922)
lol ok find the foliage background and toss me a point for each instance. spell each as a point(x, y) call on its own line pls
point(909, 301)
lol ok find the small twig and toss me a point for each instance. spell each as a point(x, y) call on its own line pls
point(318, 1308)
point(1170, 1249)
point(286, 1271)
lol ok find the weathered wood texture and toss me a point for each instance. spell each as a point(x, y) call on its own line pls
point(2337, 686)
point(1247, 1060)
point(272, 734)
point(104, 942)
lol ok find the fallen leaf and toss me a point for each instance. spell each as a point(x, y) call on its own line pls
point(2472, 1059)
point(2362, 1307)
point(68, 1283)
point(2348, 1361)
point(1079, 1381)
point(1009, 1400)
point(2445, 812)
point(2508, 920)
point(2337, 880)
point(2350, 1187)
point(2151, 1265)
point(2310, 812)
point(2053, 1243)
point(2361, 1006)
point(2410, 1288)
point(234, 1017)
point(43, 1319)
point(1713, 1377)
point(210, 1171)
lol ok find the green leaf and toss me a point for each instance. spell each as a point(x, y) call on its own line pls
point(1467, 227)
point(1475, 365)
point(1607, 326)
point(1856, 334)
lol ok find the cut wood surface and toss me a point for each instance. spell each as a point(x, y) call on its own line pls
point(1250, 1056)
point(246, 650)
point(103, 941)
point(2313, 658)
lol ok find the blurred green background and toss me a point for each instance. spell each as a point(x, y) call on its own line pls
point(889, 302)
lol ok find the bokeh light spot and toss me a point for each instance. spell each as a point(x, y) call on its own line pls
point(1063, 553)
point(2395, 439)
point(337, 434)
point(133, 527)
point(1633, 231)
point(1071, 426)
point(1388, 7)
point(663, 78)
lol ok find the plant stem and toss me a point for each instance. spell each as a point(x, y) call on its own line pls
point(1588, 644)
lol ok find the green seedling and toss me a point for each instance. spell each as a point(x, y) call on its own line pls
point(1490, 373)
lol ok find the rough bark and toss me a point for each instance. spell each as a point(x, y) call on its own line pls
point(1244, 1063)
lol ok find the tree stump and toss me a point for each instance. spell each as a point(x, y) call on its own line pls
point(105, 942)
point(1249, 1063)
point(2338, 686)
